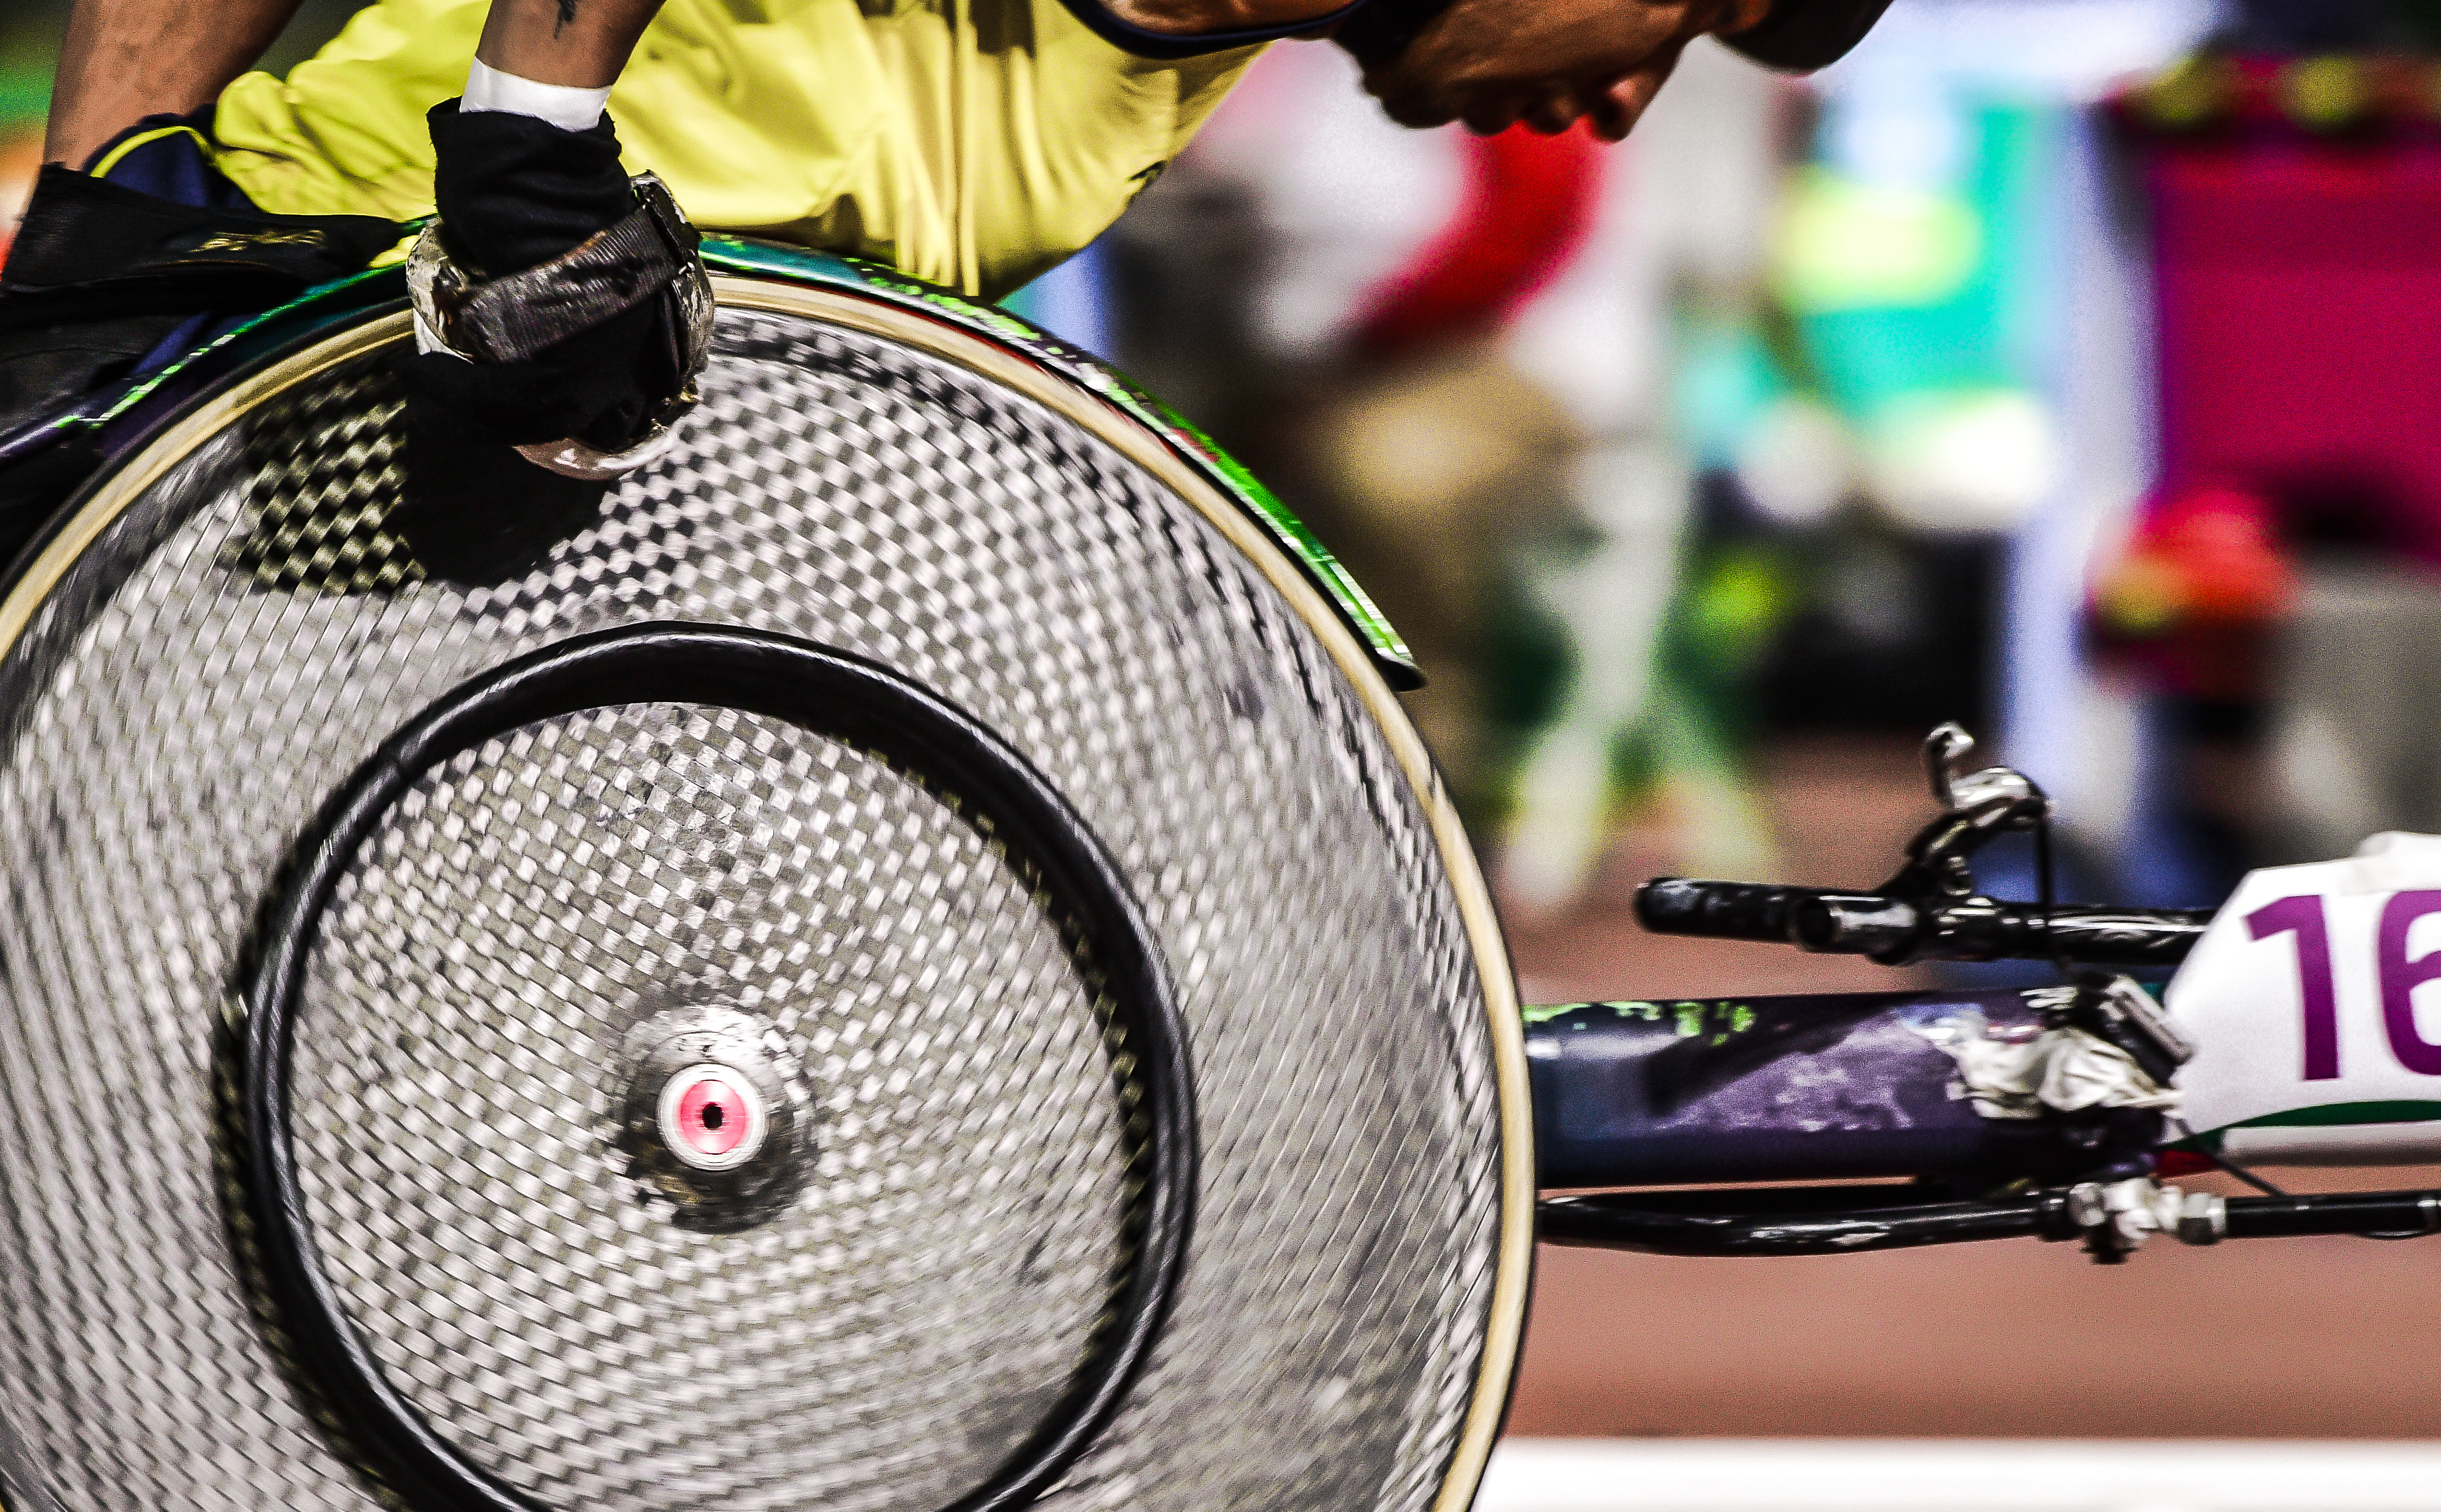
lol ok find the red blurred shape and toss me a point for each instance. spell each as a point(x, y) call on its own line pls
point(2298, 316)
point(1529, 208)
point(2197, 592)
point(2171, 1165)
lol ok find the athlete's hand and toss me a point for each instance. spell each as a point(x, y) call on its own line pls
point(1493, 63)
point(518, 195)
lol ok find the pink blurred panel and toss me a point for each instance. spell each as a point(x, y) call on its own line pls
point(2300, 329)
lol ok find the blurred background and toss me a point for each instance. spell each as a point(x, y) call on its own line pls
point(2067, 367)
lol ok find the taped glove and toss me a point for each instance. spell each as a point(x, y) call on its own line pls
point(561, 306)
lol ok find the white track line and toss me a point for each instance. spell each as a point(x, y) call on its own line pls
point(1960, 1475)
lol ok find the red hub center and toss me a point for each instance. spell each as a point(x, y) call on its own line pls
point(711, 1117)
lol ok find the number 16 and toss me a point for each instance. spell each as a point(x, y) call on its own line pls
point(2303, 916)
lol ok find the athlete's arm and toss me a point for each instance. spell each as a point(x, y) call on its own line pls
point(581, 43)
point(1802, 35)
point(1547, 63)
point(124, 60)
point(1193, 18)
point(1493, 63)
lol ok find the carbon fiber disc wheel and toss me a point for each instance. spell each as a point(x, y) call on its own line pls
point(693, 1103)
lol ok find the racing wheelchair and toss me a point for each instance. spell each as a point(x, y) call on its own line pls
point(905, 955)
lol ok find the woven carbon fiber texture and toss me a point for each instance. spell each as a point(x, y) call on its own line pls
point(245, 634)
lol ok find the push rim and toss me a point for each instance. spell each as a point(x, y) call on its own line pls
point(827, 693)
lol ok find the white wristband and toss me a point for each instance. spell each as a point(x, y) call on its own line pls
point(565, 106)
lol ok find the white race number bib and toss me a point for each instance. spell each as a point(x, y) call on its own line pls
point(2315, 1000)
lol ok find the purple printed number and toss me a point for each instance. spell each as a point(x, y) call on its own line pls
point(2400, 977)
point(2303, 916)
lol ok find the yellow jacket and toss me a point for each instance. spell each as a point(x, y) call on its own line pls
point(973, 143)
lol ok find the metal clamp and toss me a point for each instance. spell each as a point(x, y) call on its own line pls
point(2204, 1218)
point(2116, 1218)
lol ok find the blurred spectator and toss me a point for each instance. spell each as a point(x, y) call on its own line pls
point(1456, 357)
point(2277, 592)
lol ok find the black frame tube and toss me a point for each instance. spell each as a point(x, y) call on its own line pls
point(2374, 1214)
point(1790, 1221)
point(1895, 930)
point(1855, 1219)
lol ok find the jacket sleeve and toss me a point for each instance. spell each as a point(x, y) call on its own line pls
point(1803, 35)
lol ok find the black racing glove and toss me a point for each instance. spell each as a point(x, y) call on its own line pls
point(111, 278)
point(570, 301)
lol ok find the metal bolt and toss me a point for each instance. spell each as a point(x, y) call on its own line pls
point(2086, 1208)
point(2130, 1205)
point(2204, 1218)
